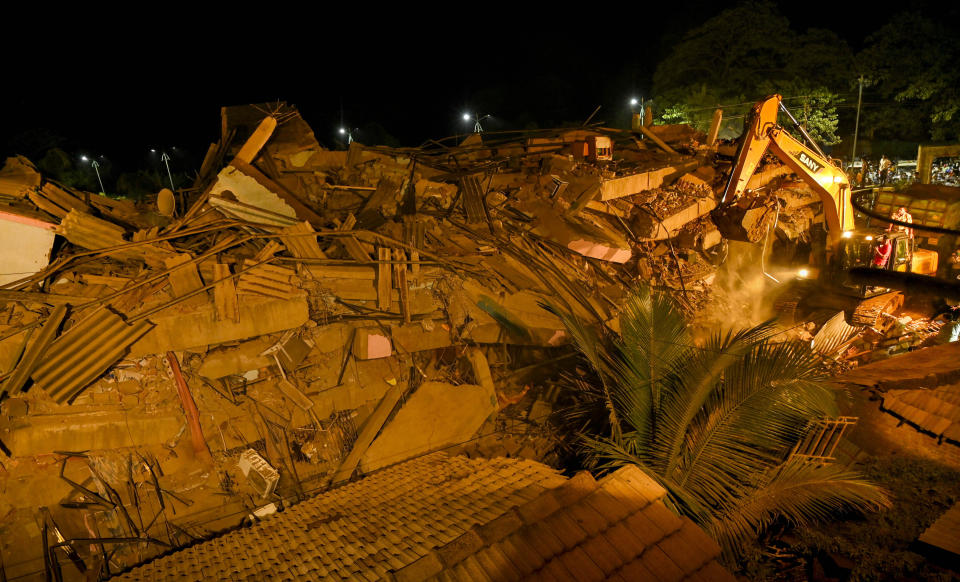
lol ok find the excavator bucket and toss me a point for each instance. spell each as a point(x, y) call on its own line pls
point(746, 220)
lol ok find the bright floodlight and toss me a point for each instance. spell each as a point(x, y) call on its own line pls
point(633, 101)
point(84, 159)
point(342, 131)
point(868, 237)
point(847, 234)
point(466, 117)
point(803, 273)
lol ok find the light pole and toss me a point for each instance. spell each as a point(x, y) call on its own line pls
point(856, 127)
point(642, 103)
point(96, 168)
point(166, 160)
point(477, 128)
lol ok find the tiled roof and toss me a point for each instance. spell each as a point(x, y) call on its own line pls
point(453, 518)
point(364, 529)
point(935, 411)
point(614, 529)
point(945, 532)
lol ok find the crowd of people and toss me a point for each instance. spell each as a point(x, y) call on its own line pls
point(945, 171)
point(885, 172)
point(881, 172)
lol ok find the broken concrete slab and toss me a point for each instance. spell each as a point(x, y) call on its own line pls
point(589, 239)
point(648, 227)
point(200, 328)
point(41, 434)
point(436, 415)
point(237, 359)
point(421, 336)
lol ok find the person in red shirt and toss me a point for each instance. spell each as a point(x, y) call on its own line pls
point(881, 253)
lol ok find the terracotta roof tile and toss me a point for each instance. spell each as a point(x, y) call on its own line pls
point(543, 540)
point(555, 570)
point(714, 572)
point(603, 554)
point(660, 564)
point(524, 557)
point(636, 572)
point(634, 477)
point(566, 529)
point(665, 519)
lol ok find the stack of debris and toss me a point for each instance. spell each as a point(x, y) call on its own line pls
point(301, 315)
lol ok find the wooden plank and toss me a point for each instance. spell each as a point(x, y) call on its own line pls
point(369, 217)
point(350, 243)
point(300, 243)
point(400, 273)
point(225, 294)
point(183, 276)
point(384, 279)
point(369, 432)
point(257, 140)
point(653, 137)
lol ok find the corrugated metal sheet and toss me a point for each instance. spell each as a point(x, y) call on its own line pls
point(57, 201)
point(473, 205)
point(84, 352)
point(34, 352)
point(267, 280)
point(90, 233)
point(834, 335)
point(300, 244)
point(250, 213)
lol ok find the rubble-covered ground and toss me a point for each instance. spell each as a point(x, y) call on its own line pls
point(302, 316)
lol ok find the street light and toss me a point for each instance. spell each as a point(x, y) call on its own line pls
point(477, 128)
point(633, 101)
point(348, 133)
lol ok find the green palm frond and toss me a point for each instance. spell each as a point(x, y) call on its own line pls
point(591, 347)
point(698, 378)
point(711, 422)
point(755, 416)
point(800, 492)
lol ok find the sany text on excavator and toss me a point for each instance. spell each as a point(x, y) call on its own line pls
point(847, 247)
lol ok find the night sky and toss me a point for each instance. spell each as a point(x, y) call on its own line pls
point(157, 78)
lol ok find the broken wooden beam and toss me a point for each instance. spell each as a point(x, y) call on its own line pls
point(367, 434)
point(190, 409)
point(384, 278)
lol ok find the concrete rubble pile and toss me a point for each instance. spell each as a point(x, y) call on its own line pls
point(302, 315)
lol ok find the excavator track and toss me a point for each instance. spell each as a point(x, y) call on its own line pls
point(868, 311)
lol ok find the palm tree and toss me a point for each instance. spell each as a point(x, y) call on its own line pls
point(713, 423)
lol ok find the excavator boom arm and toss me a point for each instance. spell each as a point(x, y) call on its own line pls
point(827, 180)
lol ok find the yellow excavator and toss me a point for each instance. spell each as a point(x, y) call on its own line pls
point(846, 248)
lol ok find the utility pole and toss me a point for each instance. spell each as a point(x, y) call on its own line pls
point(856, 127)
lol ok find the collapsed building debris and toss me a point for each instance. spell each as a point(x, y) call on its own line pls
point(310, 315)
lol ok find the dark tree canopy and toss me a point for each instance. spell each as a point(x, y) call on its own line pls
point(748, 52)
point(912, 61)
